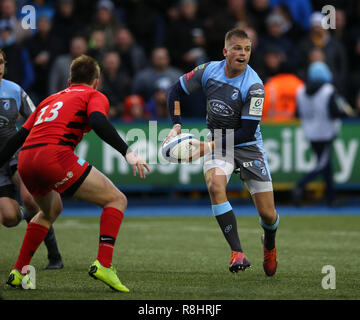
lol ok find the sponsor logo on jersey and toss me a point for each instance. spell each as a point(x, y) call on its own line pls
point(256, 106)
point(220, 108)
point(4, 122)
point(200, 67)
point(235, 94)
point(189, 75)
point(257, 92)
point(6, 104)
point(257, 163)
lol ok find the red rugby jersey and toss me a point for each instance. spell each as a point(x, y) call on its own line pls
point(63, 118)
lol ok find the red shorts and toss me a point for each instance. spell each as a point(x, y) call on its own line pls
point(52, 167)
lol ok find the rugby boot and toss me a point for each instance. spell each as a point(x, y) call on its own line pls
point(18, 280)
point(238, 261)
point(107, 275)
point(270, 263)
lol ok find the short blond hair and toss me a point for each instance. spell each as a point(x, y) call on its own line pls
point(236, 32)
point(84, 69)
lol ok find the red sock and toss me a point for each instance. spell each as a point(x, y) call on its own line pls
point(110, 222)
point(35, 234)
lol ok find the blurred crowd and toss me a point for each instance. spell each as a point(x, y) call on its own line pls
point(143, 46)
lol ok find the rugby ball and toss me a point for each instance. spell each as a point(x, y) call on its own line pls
point(178, 148)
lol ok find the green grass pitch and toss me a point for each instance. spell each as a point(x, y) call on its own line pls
point(183, 258)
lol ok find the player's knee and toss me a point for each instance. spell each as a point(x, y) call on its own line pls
point(268, 216)
point(10, 220)
point(117, 199)
point(215, 189)
point(29, 203)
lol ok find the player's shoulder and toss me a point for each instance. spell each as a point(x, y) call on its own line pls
point(211, 69)
point(252, 84)
point(213, 65)
point(10, 86)
point(98, 94)
point(253, 77)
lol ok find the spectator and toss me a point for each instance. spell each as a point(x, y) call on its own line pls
point(145, 23)
point(320, 106)
point(334, 50)
point(300, 10)
point(185, 39)
point(8, 12)
point(156, 106)
point(160, 70)
point(273, 63)
point(43, 48)
point(97, 45)
point(65, 24)
point(223, 20)
point(315, 54)
point(106, 20)
point(134, 109)
point(291, 29)
point(59, 74)
point(132, 55)
point(275, 24)
point(280, 90)
point(259, 9)
point(115, 83)
point(19, 67)
point(353, 78)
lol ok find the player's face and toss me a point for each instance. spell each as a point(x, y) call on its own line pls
point(237, 54)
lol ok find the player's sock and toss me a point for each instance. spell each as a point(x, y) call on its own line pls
point(270, 233)
point(227, 221)
point(110, 222)
point(50, 239)
point(35, 234)
point(51, 245)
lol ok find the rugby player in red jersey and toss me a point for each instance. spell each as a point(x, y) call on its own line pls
point(50, 169)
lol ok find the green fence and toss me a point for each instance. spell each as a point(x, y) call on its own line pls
point(288, 153)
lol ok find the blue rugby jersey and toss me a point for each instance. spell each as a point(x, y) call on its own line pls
point(229, 100)
point(13, 101)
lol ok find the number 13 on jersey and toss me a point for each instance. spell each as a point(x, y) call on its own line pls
point(49, 113)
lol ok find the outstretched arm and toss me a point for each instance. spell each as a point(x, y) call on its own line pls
point(106, 131)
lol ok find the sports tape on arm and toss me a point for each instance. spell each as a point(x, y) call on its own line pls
point(173, 101)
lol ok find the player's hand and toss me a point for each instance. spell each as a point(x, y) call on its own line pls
point(137, 163)
point(176, 129)
point(202, 148)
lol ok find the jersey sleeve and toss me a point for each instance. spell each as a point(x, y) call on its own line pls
point(192, 81)
point(30, 121)
point(254, 102)
point(27, 107)
point(98, 102)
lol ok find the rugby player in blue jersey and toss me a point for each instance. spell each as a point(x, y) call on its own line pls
point(235, 98)
point(14, 102)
